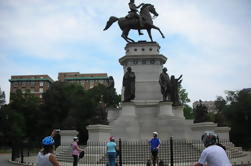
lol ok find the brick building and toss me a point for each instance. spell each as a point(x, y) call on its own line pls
point(87, 81)
point(36, 84)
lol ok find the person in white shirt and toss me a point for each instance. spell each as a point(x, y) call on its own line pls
point(213, 154)
point(46, 156)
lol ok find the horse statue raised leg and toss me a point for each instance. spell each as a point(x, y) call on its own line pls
point(127, 24)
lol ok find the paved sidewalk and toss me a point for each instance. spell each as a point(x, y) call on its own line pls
point(4, 157)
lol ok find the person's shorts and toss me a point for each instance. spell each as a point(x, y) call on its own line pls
point(154, 152)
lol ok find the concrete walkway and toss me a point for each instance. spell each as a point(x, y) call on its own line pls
point(4, 157)
point(243, 161)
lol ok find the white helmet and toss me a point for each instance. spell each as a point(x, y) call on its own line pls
point(155, 133)
point(209, 138)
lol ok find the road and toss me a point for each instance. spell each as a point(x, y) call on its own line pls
point(4, 157)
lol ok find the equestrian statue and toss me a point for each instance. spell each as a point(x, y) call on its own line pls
point(136, 21)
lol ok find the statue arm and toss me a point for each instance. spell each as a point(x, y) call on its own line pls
point(180, 77)
point(140, 5)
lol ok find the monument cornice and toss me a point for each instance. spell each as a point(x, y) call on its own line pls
point(153, 56)
point(142, 43)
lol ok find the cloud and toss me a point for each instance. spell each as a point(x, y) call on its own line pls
point(40, 28)
point(208, 42)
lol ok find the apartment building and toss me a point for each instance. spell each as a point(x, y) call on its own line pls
point(87, 81)
point(36, 84)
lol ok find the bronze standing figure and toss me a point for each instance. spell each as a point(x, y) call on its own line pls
point(129, 85)
point(165, 85)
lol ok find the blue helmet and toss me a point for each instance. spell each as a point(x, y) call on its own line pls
point(48, 141)
point(209, 138)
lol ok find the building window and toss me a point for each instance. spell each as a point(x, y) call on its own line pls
point(41, 90)
point(40, 96)
point(91, 83)
point(32, 90)
point(23, 84)
point(15, 84)
point(32, 83)
point(41, 83)
point(143, 62)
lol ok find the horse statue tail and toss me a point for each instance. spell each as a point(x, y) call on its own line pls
point(110, 22)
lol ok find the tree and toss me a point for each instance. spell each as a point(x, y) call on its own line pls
point(183, 96)
point(27, 107)
point(69, 106)
point(239, 114)
point(188, 111)
point(235, 111)
point(65, 104)
point(20, 121)
point(2, 98)
point(220, 117)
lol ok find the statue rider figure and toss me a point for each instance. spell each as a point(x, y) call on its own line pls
point(133, 13)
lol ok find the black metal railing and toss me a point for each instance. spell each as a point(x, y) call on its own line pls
point(172, 152)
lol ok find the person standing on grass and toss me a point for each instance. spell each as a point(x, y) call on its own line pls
point(155, 144)
point(75, 151)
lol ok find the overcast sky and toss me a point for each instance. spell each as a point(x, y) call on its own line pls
point(207, 41)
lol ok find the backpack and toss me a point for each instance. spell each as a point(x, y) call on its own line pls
point(82, 154)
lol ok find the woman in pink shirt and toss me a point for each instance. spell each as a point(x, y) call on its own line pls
point(75, 151)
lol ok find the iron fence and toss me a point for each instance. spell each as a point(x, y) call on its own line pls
point(172, 152)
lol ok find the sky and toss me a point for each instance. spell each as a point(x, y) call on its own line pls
point(208, 41)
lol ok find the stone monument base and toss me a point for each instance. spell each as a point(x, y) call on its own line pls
point(67, 136)
point(138, 119)
point(199, 128)
point(165, 109)
point(98, 133)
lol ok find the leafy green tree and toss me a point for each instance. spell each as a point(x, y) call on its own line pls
point(221, 107)
point(27, 106)
point(239, 115)
point(184, 99)
point(2, 98)
point(188, 111)
point(69, 106)
point(65, 104)
point(235, 111)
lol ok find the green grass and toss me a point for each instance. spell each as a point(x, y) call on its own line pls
point(5, 150)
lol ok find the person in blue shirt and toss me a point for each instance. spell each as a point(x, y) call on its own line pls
point(111, 151)
point(155, 144)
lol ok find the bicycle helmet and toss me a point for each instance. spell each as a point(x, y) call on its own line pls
point(209, 138)
point(48, 141)
point(155, 133)
point(111, 138)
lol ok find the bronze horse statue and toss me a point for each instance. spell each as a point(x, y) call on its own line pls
point(126, 24)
